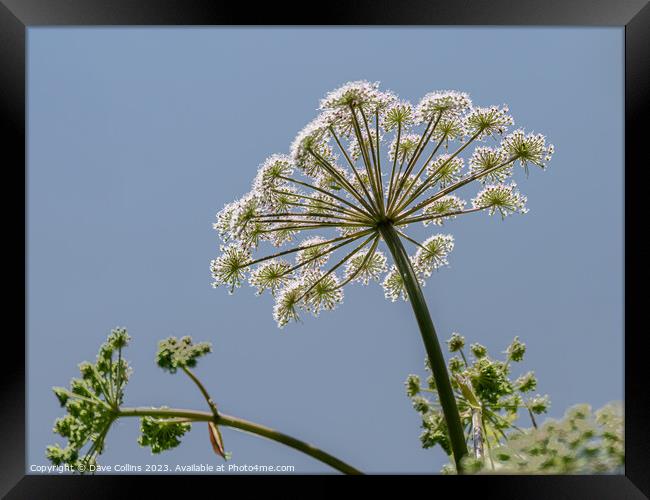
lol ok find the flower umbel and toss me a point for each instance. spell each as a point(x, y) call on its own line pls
point(91, 403)
point(336, 187)
point(94, 402)
point(488, 400)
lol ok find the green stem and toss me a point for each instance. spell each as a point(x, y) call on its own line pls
point(204, 391)
point(431, 343)
point(242, 425)
point(532, 416)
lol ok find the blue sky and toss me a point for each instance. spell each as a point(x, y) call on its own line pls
point(137, 137)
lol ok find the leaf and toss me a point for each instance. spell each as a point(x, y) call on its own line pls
point(216, 440)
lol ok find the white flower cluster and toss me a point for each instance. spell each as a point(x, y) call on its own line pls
point(446, 169)
point(408, 144)
point(503, 198)
point(488, 121)
point(528, 148)
point(485, 159)
point(358, 94)
point(446, 102)
point(342, 188)
point(444, 208)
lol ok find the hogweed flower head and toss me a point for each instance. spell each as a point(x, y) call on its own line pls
point(489, 401)
point(502, 198)
point(442, 102)
point(369, 160)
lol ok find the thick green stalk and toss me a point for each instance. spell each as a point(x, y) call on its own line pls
point(430, 339)
point(242, 425)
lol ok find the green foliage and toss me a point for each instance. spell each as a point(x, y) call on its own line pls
point(161, 434)
point(91, 403)
point(435, 431)
point(489, 380)
point(482, 386)
point(176, 353)
point(583, 442)
point(490, 402)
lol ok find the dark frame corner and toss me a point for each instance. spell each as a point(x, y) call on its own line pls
point(16, 16)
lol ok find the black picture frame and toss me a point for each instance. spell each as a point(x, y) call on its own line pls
point(16, 16)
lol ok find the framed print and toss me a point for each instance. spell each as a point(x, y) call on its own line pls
point(389, 240)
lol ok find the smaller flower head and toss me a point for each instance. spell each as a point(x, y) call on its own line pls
point(489, 380)
point(442, 103)
point(230, 268)
point(350, 94)
point(174, 353)
point(488, 159)
point(287, 302)
point(503, 198)
point(358, 94)
point(314, 254)
point(539, 404)
point(456, 364)
point(399, 114)
point(449, 128)
point(433, 253)
point(394, 285)
point(526, 149)
point(270, 275)
point(283, 200)
point(443, 208)
point(271, 174)
point(224, 221)
point(488, 121)
point(245, 225)
point(446, 169)
point(311, 146)
point(407, 146)
point(516, 350)
point(160, 434)
point(526, 383)
point(456, 342)
point(363, 267)
point(323, 292)
point(435, 431)
point(412, 385)
point(420, 404)
point(478, 350)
